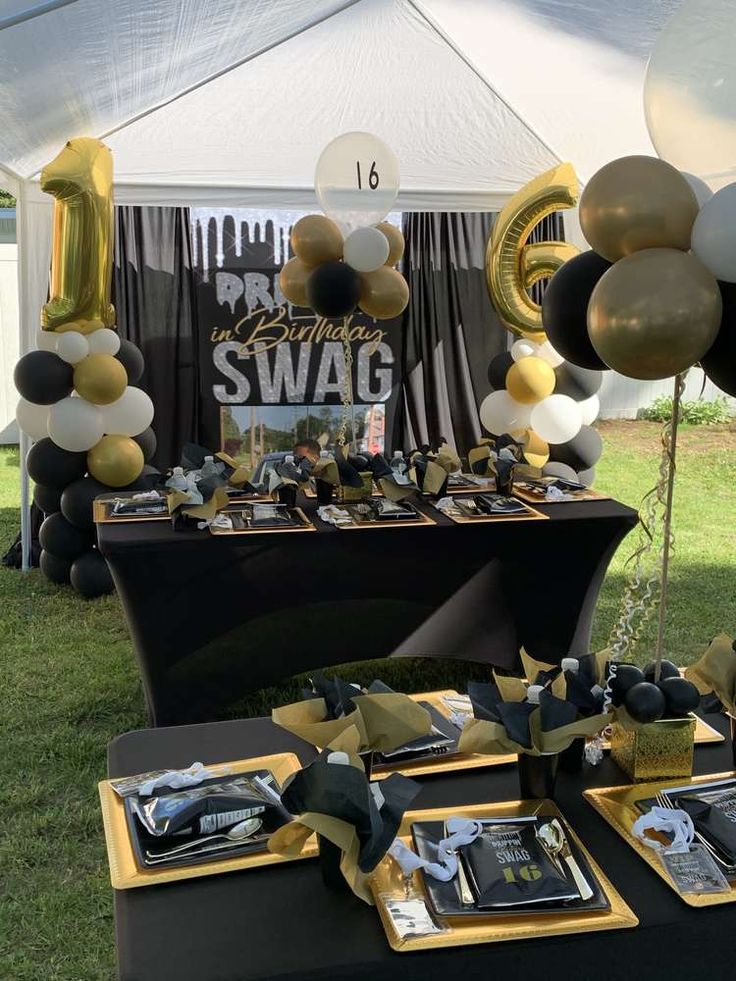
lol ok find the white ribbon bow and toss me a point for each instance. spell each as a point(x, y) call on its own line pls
point(671, 821)
point(461, 832)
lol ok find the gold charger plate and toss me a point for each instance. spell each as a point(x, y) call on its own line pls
point(618, 806)
point(531, 515)
point(101, 512)
point(586, 495)
point(471, 488)
point(307, 526)
point(387, 880)
point(424, 521)
point(442, 763)
point(124, 870)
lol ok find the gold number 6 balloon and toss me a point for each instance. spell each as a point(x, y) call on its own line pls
point(512, 266)
point(80, 179)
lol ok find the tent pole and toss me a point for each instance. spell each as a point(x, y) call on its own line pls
point(25, 346)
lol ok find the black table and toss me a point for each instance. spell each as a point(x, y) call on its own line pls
point(281, 923)
point(213, 617)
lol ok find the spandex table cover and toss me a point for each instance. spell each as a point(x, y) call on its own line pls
point(213, 617)
point(281, 923)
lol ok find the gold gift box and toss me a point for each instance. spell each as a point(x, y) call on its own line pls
point(655, 751)
point(345, 493)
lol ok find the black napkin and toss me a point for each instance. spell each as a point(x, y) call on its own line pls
point(714, 816)
point(555, 712)
point(485, 699)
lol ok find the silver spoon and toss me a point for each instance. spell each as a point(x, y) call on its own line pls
point(238, 832)
point(553, 835)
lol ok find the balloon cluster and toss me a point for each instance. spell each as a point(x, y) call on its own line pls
point(549, 405)
point(346, 260)
point(640, 302)
point(648, 701)
point(92, 433)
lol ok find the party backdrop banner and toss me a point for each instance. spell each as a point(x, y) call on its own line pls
point(270, 371)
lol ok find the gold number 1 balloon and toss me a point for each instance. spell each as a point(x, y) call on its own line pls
point(80, 179)
point(512, 266)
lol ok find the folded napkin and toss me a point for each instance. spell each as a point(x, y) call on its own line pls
point(383, 719)
point(332, 797)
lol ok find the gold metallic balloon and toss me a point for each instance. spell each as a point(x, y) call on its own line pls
point(80, 180)
point(395, 242)
point(100, 378)
point(384, 293)
point(636, 203)
point(529, 380)
point(654, 313)
point(535, 449)
point(512, 267)
point(316, 239)
point(293, 281)
point(115, 460)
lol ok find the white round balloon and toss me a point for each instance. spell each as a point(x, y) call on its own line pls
point(72, 347)
point(523, 349)
point(46, 340)
point(357, 179)
point(702, 192)
point(366, 249)
point(103, 341)
point(589, 409)
point(32, 418)
point(499, 413)
point(690, 91)
point(556, 419)
point(130, 415)
point(714, 234)
point(547, 353)
point(75, 424)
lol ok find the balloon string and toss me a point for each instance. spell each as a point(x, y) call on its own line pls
point(347, 389)
point(644, 587)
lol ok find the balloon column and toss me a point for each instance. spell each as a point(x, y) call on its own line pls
point(548, 404)
point(78, 400)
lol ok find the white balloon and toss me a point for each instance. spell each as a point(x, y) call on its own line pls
point(103, 341)
point(559, 470)
point(702, 192)
point(75, 424)
point(523, 349)
point(556, 419)
point(72, 347)
point(130, 415)
point(357, 179)
point(46, 340)
point(366, 249)
point(32, 418)
point(547, 353)
point(500, 414)
point(589, 409)
point(714, 234)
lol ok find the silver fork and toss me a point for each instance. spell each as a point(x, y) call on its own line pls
point(664, 801)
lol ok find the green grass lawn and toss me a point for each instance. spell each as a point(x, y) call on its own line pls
point(70, 685)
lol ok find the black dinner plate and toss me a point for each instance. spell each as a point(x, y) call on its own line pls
point(444, 897)
point(411, 754)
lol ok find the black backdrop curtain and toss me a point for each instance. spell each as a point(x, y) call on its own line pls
point(451, 328)
point(154, 297)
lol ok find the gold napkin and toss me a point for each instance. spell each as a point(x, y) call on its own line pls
point(716, 672)
point(326, 469)
point(478, 453)
point(202, 512)
point(481, 736)
point(395, 492)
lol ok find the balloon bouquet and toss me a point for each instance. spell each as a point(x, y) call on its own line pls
point(346, 257)
point(546, 402)
point(91, 426)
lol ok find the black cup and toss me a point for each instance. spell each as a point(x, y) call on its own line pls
point(732, 724)
point(287, 495)
point(329, 863)
point(325, 491)
point(537, 775)
point(571, 759)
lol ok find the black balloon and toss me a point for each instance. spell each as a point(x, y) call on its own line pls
point(90, 575)
point(498, 369)
point(587, 477)
point(565, 308)
point(42, 377)
point(627, 675)
point(51, 466)
point(581, 452)
point(578, 383)
point(147, 442)
point(62, 539)
point(148, 479)
point(333, 289)
point(132, 360)
point(47, 499)
point(645, 702)
point(76, 501)
point(681, 696)
point(719, 363)
point(667, 670)
point(54, 568)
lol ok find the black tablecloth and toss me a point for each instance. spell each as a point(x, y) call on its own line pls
point(281, 923)
point(213, 617)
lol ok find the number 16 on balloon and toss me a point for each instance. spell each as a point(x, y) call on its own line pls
point(357, 180)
